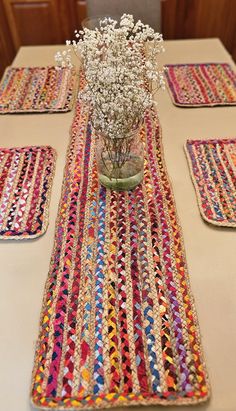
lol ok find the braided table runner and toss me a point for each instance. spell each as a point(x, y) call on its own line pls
point(118, 324)
point(206, 84)
point(37, 89)
point(212, 166)
point(26, 176)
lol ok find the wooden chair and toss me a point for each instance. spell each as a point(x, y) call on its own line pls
point(148, 11)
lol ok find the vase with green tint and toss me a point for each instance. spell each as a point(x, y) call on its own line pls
point(120, 161)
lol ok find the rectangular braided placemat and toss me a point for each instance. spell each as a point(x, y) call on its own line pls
point(26, 176)
point(118, 325)
point(37, 89)
point(205, 84)
point(212, 166)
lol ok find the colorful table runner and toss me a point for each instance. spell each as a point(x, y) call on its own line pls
point(26, 176)
point(118, 324)
point(207, 84)
point(213, 170)
point(37, 89)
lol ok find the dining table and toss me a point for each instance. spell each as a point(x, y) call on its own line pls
point(210, 250)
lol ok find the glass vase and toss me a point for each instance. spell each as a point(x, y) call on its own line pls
point(120, 161)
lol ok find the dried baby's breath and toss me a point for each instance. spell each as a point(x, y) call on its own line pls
point(117, 67)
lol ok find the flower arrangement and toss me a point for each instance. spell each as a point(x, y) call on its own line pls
point(117, 68)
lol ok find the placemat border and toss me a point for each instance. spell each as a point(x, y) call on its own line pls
point(172, 93)
point(47, 202)
point(74, 92)
point(199, 201)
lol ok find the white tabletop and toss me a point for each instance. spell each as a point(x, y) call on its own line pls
point(210, 250)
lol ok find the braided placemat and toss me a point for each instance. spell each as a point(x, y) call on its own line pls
point(205, 84)
point(212, 165)
point(26, 176)
point(118, 325)
point(37, 89)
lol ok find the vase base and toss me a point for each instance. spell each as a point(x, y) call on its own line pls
point(121, 184)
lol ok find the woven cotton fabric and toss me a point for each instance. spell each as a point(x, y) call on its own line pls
point(26, 176)
point(37, 89)
point(206, 84)
point(212, 166)
point(118, 324)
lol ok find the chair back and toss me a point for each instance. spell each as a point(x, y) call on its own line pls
point(148, 11)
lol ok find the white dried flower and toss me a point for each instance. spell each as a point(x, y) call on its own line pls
point(117, 67)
